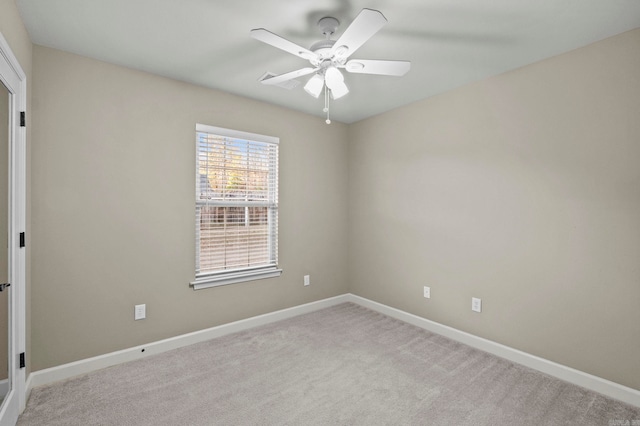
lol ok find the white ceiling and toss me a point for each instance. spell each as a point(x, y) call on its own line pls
point(449, 42)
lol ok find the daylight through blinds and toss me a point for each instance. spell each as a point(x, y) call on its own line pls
point(236, 203)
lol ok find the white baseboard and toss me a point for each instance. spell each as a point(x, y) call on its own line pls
point(65, 371)
point(562, 372)
point(588, 381)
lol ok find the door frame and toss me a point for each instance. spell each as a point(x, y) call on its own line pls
point(14, 78)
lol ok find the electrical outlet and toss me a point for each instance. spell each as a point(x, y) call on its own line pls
point(140, 312)
point(476, 304)
point(307, 280)
point(427, 292)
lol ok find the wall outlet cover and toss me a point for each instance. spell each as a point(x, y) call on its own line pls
point(140, 312)
point(307, 280)
point(476, 304)
point(427, 292)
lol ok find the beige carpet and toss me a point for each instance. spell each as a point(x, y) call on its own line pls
point(344, 365)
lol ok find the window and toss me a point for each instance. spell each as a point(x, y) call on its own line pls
point(236, 206)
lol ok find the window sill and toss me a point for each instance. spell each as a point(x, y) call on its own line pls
point(235, 277)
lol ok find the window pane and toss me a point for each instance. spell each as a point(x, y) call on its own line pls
point(236, 201)
point(233, 238)
point(234, 169)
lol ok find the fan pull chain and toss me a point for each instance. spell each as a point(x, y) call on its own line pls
point(326, 104)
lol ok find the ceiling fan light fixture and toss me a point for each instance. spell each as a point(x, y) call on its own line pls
point(329, 57)
point(339, 91)
point(335, 81)
point(333, 76)
point(314, 85)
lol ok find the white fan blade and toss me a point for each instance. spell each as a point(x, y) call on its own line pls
point(276, 41)
point(366, 24)
point(288, 76)
point(372, 66)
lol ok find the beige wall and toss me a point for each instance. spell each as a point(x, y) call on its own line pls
point(523, 190)
point(16, 35)
point(113, 172)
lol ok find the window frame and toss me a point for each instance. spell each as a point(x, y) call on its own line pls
point(250, 273)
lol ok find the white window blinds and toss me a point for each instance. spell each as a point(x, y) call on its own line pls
point(236, 206)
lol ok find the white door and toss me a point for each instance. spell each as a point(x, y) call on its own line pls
point(12, 222)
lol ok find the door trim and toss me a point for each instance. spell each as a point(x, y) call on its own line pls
point(14, 78)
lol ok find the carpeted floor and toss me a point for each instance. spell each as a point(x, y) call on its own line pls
point(344, 365)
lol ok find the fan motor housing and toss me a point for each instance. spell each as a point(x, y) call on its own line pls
point(318, 46)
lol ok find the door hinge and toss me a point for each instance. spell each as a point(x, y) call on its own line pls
point(22, 242)
point(23, 120)
point(22, 362)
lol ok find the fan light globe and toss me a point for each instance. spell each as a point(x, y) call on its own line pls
point(314, 85)
point(339, 91)
point(333, 76)
point(335, 82)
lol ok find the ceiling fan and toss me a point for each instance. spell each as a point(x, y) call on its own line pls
point(328, 57)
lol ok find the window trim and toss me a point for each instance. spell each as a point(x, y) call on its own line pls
point(215, 279)
point(236, 276)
